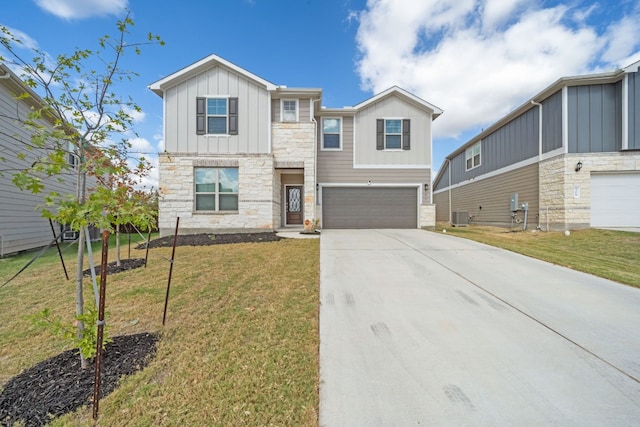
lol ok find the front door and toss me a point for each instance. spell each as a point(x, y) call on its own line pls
point(294, 205)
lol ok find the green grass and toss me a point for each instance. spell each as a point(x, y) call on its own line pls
point(604, 253)
point(240, 346)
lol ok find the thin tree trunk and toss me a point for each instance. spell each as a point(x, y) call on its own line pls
point(118, 263)
point(82, 185)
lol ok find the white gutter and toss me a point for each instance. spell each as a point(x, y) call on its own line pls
point(315, 157)
point(450, 185)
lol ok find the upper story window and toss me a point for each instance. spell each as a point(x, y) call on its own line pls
point(289, 110)
point(331, 133)
point(393, 134)
point(216, 189)
point(472, 156)
point(217, 116)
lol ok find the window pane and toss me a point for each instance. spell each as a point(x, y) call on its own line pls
point(331, 141)
point(476, 160)
point(205, 176)
point(394, 141)
point(331, 125)
point(217, 106)
point(469, 165)
point(205, 188)
point(228, 202)
point(393, 126)
point(228, 180)
point(217, 125)
point(205, 202)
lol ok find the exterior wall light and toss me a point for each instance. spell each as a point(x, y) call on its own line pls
point(426, 187)
point(578, 166)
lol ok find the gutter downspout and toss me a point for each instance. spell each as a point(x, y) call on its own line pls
point(539, 159)
point(315, 158)
point(450, 184)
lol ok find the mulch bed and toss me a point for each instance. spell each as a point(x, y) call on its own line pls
point(59, 385)
point(112, 267)
point(206, 239)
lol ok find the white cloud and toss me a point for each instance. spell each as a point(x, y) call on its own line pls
point(136, 116)
point(25, 40)
point(622, 40)
point(141, 145)
point(79, 9)
point(478, 60)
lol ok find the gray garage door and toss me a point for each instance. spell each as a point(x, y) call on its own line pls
point(369, 207)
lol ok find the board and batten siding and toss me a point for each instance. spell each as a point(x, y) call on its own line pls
point(552, 122)
point(336, 167)
point(512, 143)
point(595, 118)
point(393, 107)
point(494, 196)
point(22, 226)
point(180, 114)
point(634, 111)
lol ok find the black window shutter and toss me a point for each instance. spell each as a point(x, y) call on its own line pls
point(233, 116)
point(201, 116)
point(406, 134)
point(380, 134)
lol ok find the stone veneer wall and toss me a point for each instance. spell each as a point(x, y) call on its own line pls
point(293, 145)
point(565, 195)
point(255, 194)
point(427, 216)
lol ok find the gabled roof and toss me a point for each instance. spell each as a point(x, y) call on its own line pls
point(201, 65)
point(395, 90)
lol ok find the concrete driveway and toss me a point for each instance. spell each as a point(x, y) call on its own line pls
point(420, 328)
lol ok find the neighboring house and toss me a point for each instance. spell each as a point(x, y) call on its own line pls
point(570, 155)
point(244, 154)
point(22, 226)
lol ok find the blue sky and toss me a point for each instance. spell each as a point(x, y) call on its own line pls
point(475, 59)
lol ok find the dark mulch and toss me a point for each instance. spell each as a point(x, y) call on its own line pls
point(206, 239)
point(112, 267)
point(58, 385)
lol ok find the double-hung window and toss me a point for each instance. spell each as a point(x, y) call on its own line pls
point(331, 139)
point(217, 116)
point(216, 189)
point(393, 134)
point(289, 110)
point(472, 156)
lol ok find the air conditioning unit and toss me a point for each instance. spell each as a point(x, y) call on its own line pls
point(460, 218)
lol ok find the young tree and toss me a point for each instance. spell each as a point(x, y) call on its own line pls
point(79, 97)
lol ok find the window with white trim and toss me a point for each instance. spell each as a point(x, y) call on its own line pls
point(472, 156)
point(216, 189)
point(216, 115)
point(289, 110)
point(331, 133)
point(393, 134)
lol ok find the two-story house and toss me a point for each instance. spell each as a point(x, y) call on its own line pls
point(567, 158)
point(244, 154)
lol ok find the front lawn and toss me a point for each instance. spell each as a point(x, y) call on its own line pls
point(614, 255)
point(240, 346)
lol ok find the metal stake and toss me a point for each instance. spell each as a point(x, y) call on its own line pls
point(173, 253)
point(100, 323)
point(59, 251)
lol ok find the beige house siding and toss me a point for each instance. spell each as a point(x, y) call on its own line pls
point(393, 107)
point(337, 166)
point(180, 114)
point(488, 200)
point(304, 109)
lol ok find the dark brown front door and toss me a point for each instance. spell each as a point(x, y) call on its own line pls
point(294, 205)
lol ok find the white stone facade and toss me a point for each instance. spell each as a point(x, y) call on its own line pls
point(255, 194)
point(427, 216)
point(565, 194)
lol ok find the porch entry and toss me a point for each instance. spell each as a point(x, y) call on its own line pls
point(293, 204)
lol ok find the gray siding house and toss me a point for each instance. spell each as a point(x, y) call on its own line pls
point(244, 154)
point(568, 158)
point(21, 224)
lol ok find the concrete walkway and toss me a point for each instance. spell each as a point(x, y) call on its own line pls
point(420, 328)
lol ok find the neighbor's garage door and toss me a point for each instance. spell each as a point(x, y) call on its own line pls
point(615, 200)
point(369, 207)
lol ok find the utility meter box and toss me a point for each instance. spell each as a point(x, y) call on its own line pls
point(514, 202)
